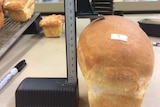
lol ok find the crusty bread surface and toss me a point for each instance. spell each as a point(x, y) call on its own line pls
point(52, 25)
point(116, 59)
point(51, 20)
point(1, 14)
point(20, 10)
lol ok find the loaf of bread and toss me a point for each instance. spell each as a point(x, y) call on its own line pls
point(52, 25)
point(20, 10)
point(116, 59)
point(1, 14)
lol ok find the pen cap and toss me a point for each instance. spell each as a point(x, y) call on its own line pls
point(21, 65)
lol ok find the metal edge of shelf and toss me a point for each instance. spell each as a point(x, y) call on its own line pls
point(17, 35)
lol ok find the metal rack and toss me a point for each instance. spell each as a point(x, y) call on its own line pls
point(94, 9)
point(104, 7)
point(12, 31)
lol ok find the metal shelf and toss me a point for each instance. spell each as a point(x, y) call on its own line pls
point(12, 31)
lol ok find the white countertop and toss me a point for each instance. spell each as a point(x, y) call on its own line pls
point(46, 57)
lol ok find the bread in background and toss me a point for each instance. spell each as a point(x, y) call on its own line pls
point(52, 25)
point(1, 14)
point(19, 10)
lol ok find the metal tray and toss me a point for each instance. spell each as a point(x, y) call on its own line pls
point(12, 31)
point(150, 26)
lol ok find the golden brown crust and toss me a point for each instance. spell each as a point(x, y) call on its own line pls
point(20, 10)
point(1, 20)
point(51, 20)
point(117, 72)
point(1, 15)
point(17, 5)
point(53, 31)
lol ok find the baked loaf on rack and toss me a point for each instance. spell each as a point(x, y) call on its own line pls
point(20, 10)
point(116, 59)
point(1, 14)
point(52, 25)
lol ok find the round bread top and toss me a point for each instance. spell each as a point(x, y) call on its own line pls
point(17, 5)
point(115, 44)
point(51, 20)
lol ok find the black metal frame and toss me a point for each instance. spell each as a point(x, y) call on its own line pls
point(95, 8)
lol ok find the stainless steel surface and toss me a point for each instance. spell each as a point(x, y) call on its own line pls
point(11, 32)
point(70, 31)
